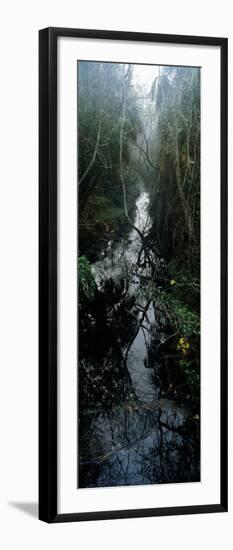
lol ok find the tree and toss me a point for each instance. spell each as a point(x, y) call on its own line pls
point(176, 196)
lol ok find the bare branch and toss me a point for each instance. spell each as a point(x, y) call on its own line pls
point(94, 153)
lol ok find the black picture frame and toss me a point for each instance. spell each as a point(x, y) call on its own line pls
point(48, 275)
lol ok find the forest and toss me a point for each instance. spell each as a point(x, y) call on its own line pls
point(138, 274)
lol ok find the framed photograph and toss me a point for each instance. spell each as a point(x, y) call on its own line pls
point(133, 275)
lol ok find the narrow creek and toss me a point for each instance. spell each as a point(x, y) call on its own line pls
point(130, 433)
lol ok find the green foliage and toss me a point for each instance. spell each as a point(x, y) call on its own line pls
point(184, 320)
point(188, 321)
point(105, 210)
point(86, 279)
point(191, 375)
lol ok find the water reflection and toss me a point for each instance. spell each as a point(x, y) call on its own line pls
point(129, 433)
point(132, 445)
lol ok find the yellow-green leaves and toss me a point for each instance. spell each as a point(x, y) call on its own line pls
point(183, 345)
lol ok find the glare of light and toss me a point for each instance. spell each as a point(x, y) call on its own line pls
point(144, 76)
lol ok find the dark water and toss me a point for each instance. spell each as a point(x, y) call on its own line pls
point(129, 433)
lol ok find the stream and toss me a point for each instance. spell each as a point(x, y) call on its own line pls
point(129, 432)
